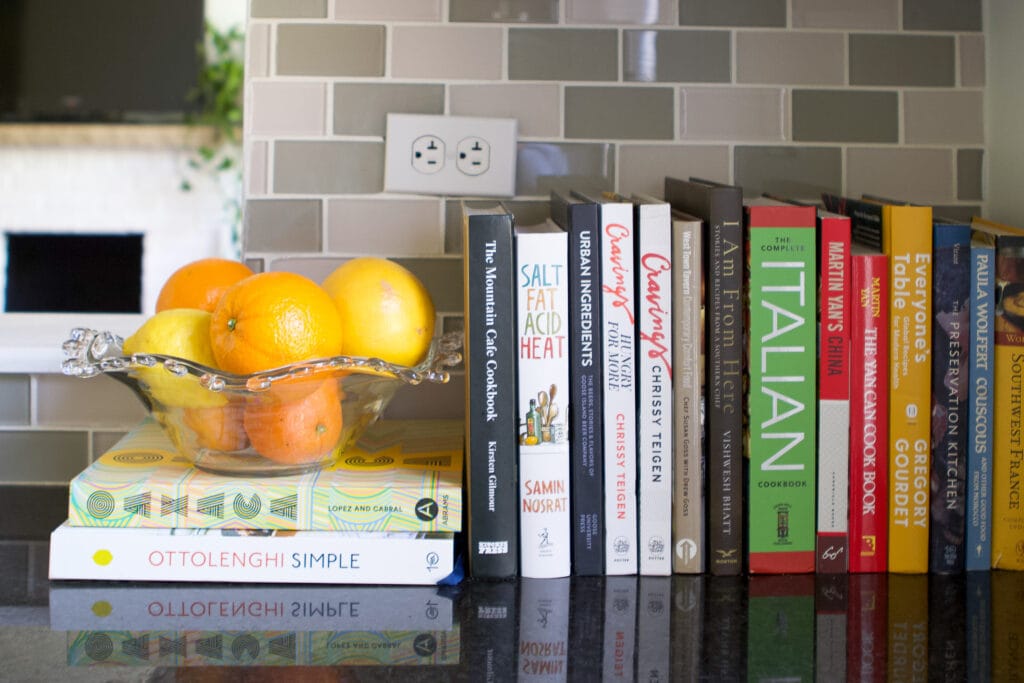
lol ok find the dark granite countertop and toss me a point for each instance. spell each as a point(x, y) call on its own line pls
point(858, 627)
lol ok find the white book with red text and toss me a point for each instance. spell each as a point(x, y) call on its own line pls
point(654, 421)
point(619, 385)
point(252, 556)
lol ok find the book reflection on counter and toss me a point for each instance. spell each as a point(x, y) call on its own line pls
point(249, 626)
point(543, 629)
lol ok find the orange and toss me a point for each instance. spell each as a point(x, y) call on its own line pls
point(386, 311)
point(300, 431)
point(273, 319)
point(218, 428)
point(200, 284)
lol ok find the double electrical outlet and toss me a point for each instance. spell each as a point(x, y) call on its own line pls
point(450, 155)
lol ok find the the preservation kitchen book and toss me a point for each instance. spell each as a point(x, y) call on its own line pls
point(402, 475)
point(543, 652)
point(489, 354)
point(782, 309)
point(619, 385)
point(774, 652)
point(905, 234)
point(978, 538)
point(832, 552)
point(720, 207)
point(121, 607)
point(688, 507)
point(581, 221)
point(866, 628)
point(263, 648)
point(654, 370)
point(1007, 442)
point(869, 410)
point(252, 556)
point(951, 295)
point(542, 361)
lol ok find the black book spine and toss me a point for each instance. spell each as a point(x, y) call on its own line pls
point(490, 353)
point(721, 209)
point(585, 358)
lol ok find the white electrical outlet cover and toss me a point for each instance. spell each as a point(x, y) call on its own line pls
point(477, 155)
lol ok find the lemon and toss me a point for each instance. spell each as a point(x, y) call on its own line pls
point(183, 333)
point(386, 311)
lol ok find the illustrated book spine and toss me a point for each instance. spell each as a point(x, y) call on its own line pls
point(907, 239)
point(869, 412)
point(235, 556)
point(491, 400)
point(1008, 436)
point(978, 540)
point(688, 509)
point(402, 475)
point(720, 207)
point(832, 553)
point(782, 279)
point(951, 294)
point(102, 606)
point(654, 369)
point(586, 444)
point(542, 311)
point(619, 387)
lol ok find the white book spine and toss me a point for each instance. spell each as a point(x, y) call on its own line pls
point(654, 400)
point(617, 310)
point(218, 555)
point(542, 306)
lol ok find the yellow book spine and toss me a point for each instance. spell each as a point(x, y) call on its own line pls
point(1008, 427)
point(907, 238)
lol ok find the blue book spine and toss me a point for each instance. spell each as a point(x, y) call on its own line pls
point(951, 245)
point(979, 452)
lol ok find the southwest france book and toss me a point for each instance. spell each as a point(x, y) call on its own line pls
point(652, 219)
point(581, 220)
point(251, 555)
point(489, 355)
point(782, 300)
point(619, 419)
point(720, 207)
point(401, 475)
point(542, 313)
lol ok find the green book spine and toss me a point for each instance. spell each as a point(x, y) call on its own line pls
point(782, 399)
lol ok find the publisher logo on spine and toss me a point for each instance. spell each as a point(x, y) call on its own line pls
point(426, 509)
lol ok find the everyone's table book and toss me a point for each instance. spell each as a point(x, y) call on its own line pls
point(402, 475)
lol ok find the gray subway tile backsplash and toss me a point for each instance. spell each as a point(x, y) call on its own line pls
point(625, 113)
point(330, 167)
point(732, 13)
point(797, 172)
point(362, 108)
point(42, 456)
point(330, 50)
point(563, 54)
point(969, 174)
point(902, 60)
point(288, 9)
point(545, 166)
point(14, 399)
point(513, 11)
point(872, 15)
point(671, 55)
point(845, 116)
point(942, 15)
point(283, 225)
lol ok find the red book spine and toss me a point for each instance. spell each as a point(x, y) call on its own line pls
point(869, 409)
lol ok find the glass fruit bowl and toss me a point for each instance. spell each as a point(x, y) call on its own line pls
point(292, 419)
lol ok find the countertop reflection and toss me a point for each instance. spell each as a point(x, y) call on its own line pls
point(867, 627)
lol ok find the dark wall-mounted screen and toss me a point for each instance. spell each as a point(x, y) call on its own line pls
point(98, 60)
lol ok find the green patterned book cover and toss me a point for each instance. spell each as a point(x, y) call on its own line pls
point(782, 361)
point(402, 475)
